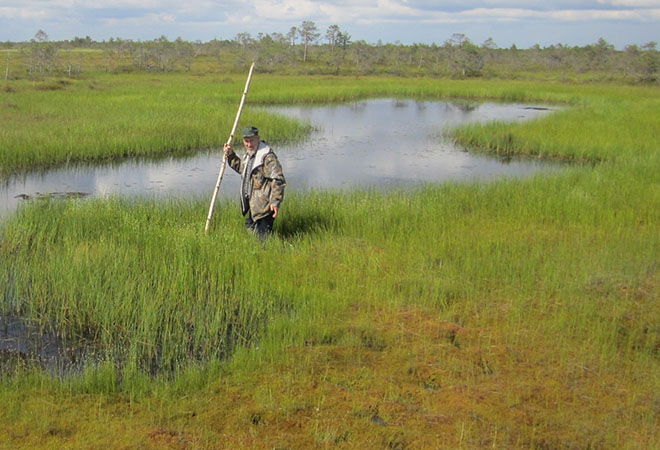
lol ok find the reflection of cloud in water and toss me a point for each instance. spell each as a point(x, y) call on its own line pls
point(170, 177)
point(375, 141)
point(370, 142)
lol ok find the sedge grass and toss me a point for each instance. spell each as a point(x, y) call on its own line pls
point(104, 118)
point(137, 275)
point(513, 314)
point(57, 121)
point(567, 281)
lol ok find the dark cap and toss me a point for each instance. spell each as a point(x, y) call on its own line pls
point(250, 131)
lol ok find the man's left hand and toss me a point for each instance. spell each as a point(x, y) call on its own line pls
point(275, 209)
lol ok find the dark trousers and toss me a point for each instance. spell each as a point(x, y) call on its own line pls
point(263, 227)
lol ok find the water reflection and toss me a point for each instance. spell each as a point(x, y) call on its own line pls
point(394, 142)
point(377, 142)
point(23, 342)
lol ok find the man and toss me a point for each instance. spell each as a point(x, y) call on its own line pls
point(262, 182)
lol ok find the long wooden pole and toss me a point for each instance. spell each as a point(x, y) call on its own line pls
point(224, 157)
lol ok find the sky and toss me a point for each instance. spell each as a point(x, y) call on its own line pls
point(508, 22)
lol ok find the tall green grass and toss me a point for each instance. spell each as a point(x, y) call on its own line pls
point(617, 125)
point(59, 121)
point(557, 276)
point(140, 282)
point(55, 121)
point(137, 281)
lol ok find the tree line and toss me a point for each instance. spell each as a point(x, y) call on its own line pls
point(306, 50)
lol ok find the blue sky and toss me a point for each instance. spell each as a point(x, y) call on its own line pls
point(520, 22)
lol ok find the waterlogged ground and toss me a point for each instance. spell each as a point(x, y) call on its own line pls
point(381, 142)
point(524, 317)
point(378, 142)
point(21, 341)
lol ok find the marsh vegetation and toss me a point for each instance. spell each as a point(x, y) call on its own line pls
point(382, 143)
point(517, 313)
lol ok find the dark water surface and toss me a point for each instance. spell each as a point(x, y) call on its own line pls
point(378, 142)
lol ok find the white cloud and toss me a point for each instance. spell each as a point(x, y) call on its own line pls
point(388, 20)
point(591, 15)
point(118, 4)
point(146, 20)
point(22, 14)
point(632, 3)
point(393, 7)
point(561, 15)
point(286, 9)
point(507, 14)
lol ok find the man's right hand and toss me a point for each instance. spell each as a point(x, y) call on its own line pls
point(228, 150)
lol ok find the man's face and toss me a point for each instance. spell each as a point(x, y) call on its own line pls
point(251, 143)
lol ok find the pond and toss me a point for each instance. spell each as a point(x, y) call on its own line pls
point(376, 142)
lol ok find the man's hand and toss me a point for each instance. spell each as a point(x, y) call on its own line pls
point(228, 150)
point(275, 209)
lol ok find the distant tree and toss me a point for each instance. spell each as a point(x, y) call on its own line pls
point(42, 53)
point(7, 69)
point(463, 57)
point(119, 54)
point(279, 38)
point(309, 34)
point(185, 52)
point(263, 38)
point(457, 56)
point(272, 50)
point(292, 36)
point(632, 50)
point(82, 42)
point(489, 49)
point(650, 62)
point(161, 51)
point(418, 54)
point(343, 39)
point(361, 52)
point(489, 44)
point(557, 57)
point(457, 40)
point(332, 35)
point(600, 53)
point(40, 36)
point(244, 39)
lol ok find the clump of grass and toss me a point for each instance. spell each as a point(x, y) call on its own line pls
point(615, 126)
point(133, 116)
point(136, 281)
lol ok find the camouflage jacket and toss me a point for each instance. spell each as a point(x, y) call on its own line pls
point(266, 184)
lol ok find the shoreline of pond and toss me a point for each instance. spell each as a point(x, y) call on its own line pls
point(335, 127)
